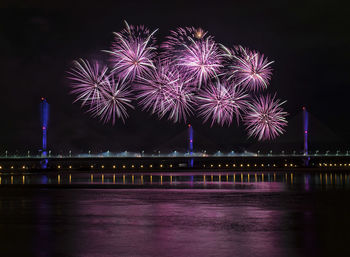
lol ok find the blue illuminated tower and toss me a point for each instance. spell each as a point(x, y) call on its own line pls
point(44, 115)
point(306, 127)
point(190, 144)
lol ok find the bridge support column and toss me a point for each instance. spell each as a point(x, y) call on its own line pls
point(305, 132)
point(44, 115)
point(190, 145)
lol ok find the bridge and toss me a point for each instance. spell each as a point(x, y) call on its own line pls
point(174, 160)
point(139, 162)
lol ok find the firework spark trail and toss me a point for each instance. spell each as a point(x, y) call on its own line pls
point(136, 32)
point(237, 50)
point(265, 118)
point(152, 89)
point(190, 69)
point(201, 60)
point(164, 91)
point(221, 102)
point(248, 68)
point(178, 40)
point(132, 55)
point(87, 81)
point(229, 59)
point(116, 97)
point(179, 100)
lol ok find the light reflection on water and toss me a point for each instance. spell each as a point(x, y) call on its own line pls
point(256, 180)
point(199, 214)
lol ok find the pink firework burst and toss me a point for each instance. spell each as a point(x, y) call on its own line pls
point(180, 100)
point(201, 61)
point(178, 39)
point(221, 102)
point(116, 97)
point(248, 68)
point(136, 32)
point(88, 81)
point(265, 118)
point(166, 92)
point(132, 54)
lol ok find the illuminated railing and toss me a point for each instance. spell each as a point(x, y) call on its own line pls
point(173, 154)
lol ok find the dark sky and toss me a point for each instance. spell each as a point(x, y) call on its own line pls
point(308, 40)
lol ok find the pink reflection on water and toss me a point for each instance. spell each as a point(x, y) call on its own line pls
point(177, 223)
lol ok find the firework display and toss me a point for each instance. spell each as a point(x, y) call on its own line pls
point(87, 81)
point(132, 52)
point(176, 43)
point(115, 98)
point(187, 74)
point(221, 102)
point(200, 60)
point(248, 68)
point(265, 118)
point(165, 92)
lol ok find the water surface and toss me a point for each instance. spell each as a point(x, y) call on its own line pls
point(282, 215)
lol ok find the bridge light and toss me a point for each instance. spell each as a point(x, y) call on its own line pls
point(113, 166)
point(102, 166)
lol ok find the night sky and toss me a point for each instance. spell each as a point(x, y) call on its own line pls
point(308, 40)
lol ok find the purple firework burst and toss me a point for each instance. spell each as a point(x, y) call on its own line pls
point(200, 60)
point(88, 81)
point(116, 97)
point(265, 118)
point(136, 32)
point(221, 102)
point(180, 100)
point(189, 69)
point(179, 39)
point(248, 68)
point(131, 54)
point(166, 92)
